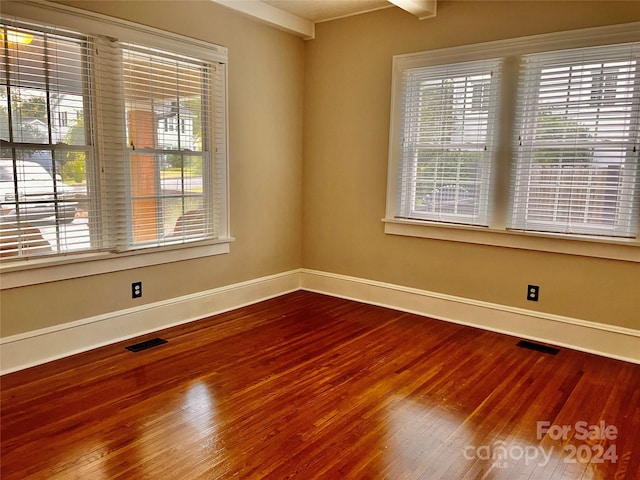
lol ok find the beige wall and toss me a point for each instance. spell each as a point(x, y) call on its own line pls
point(347, 102)
point(265, 129)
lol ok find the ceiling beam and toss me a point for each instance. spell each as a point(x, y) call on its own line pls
point(273, 16)
point(420, 8)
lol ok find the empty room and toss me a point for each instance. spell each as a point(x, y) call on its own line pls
point(332, 239)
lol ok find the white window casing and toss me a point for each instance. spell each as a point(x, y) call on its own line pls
point(608, 230)
point(145, 191)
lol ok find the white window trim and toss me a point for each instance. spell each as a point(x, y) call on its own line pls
point(35, 271)
point(125, 31)
point(497, 234)
point(627, 250)
point(44, 270)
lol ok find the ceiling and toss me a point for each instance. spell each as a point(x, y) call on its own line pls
point(323, 10)
point(300, 16)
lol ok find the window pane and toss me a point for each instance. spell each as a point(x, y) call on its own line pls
point(447, 115)
point(4, 113)
point(448, 181)
point(29, 116)
point(32, 197)
point(184, 217)
point(165, 98)
point(184, 213)
point(576, 168)
point(48, 202)
point(67, 119)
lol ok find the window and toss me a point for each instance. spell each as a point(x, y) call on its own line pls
point(447, 141)
point(577, 155)
point(519, 137)
point(92, 156)
point(169, 200)
point(45, 160)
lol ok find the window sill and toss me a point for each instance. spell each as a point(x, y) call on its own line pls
point(43, 270)
point(614, 249)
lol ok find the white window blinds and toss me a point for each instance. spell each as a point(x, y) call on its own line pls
point(167, 101)
point(577, 166)
point(47, 156)
point(446, 134)
point(107, 145)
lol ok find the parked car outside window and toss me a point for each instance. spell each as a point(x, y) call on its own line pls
point(30, 195)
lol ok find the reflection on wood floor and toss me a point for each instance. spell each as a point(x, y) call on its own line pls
point(310, 386)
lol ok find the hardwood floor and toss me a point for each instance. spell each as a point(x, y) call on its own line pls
point(310, 386)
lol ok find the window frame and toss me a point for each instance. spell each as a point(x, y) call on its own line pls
point(497, 232)
point(36, 270)
point(54, 96)
point(415, 140)
point(566, 69)
point(125, 229)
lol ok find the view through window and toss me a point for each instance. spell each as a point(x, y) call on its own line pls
point(46, 149)
point(447, 129)
point(106, 145)
point(577, 160)
point(561, 128)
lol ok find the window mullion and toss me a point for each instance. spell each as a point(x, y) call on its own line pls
point(110, 137)
point(499, 186)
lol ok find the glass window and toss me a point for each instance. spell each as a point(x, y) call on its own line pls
point(107, 145)
point(447, 116)
point(577, 161)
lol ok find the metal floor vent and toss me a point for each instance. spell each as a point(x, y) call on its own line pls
point(538, 347)
point(138, 347)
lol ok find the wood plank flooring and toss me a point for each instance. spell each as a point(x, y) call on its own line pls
point(309, 386)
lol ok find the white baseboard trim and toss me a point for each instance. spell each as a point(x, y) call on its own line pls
point(25, 350)
point(605, 340)
point(40, 346)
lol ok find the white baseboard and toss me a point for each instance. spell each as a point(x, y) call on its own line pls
point(33, 348)
point(605, 340)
